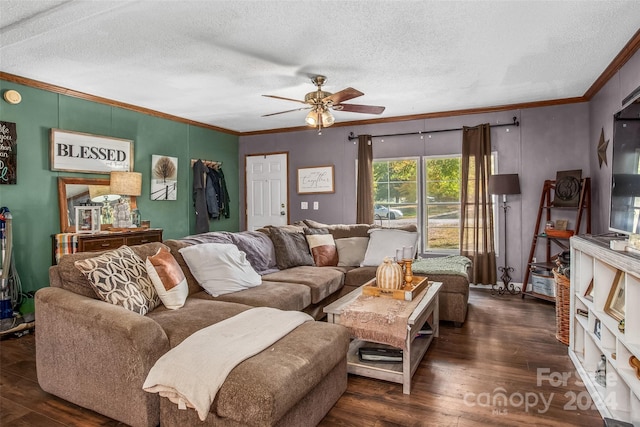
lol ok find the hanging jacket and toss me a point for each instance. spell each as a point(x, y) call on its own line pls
point(211, 195)
point(224, 195)
point(199, 200)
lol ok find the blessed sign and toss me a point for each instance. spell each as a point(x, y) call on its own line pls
point(82, 152)
point(8, 153)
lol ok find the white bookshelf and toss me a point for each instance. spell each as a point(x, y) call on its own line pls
point(593, 261)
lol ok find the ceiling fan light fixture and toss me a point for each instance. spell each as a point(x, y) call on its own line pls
point(327, 118)
point(313, 118)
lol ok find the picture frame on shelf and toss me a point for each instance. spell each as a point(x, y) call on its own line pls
point(588, 294)
point(597, 328)
point(87, 219)
point(614, 306)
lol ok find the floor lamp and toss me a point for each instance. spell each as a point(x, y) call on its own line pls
point(505, 184)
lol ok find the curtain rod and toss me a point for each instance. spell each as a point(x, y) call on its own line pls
point(352, 136)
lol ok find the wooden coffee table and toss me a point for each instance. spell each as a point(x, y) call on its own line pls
point(416, 347)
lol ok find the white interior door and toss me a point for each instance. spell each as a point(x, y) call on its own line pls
point(267, 191)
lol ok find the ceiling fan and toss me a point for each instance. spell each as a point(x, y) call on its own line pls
point(320, 102)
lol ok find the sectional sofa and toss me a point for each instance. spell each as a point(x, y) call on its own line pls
point(97, 354)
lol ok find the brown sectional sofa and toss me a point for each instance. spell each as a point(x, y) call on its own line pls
point(97, 355)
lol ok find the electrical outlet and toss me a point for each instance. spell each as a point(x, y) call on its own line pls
point(315, 206)
point(304, 205)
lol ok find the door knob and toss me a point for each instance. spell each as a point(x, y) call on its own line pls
point(282, 213)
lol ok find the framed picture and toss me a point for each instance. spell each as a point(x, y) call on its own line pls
point(87, 219)
point(589, 292)
point(561, 224)
point(597, 328)
point(83, 152)
point(316, 180)
point(614, 306)
point(164, 177)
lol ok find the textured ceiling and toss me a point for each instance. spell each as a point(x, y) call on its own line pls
point(210, 61)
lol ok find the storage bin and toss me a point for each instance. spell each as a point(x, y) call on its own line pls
point(563, 306)
point(543, 282)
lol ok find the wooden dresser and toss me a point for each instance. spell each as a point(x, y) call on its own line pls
point(102, 241)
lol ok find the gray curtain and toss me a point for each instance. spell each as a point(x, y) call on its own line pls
point(476, 222)
point(364, 198)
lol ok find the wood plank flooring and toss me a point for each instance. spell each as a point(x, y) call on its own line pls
point(494, 371)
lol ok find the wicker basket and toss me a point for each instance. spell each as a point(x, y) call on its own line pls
point(563, 309)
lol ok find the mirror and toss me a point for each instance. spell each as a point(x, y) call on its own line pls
point(74, 192)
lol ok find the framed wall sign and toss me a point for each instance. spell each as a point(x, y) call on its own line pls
point(316, 180)
point(83, 152)
point(8, 153)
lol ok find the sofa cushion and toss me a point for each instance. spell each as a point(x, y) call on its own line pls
point(197, 313)
point(351, 250)
point(292, 249)
point(359, 276)
point(285, 296)
point(261, 390)
point(340, 231)
point(322, 281)
point(322, 247)
point(258, 247)
point(120, 277)
point(220, 268)
point(383, 242)
point(167, 278)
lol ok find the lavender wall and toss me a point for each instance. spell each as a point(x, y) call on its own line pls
point(549, 139)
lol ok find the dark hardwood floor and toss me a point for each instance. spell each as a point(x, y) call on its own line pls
point(494, 371)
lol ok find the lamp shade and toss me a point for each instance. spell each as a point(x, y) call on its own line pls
point(126, 183)
point(102, 193)
point(504, 184)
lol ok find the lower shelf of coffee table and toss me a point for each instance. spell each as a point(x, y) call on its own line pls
point(399, 372)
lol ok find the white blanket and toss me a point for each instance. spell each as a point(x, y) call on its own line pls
point(191, 374)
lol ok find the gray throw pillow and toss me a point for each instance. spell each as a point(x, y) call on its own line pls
point(292, 249)
point(259, 248)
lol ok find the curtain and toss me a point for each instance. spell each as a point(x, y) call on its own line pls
point(364, 191)
point(476, 221)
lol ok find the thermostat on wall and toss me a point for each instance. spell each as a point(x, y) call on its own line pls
point(12, 97)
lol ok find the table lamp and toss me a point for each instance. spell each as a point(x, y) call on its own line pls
point(505, 184)
point(103, 194)
point(126, 184)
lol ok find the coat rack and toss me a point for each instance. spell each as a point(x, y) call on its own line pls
point(208, 163)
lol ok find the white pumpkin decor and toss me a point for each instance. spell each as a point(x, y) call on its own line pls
point(389, 274)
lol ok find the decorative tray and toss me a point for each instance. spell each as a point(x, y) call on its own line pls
point(407, 292)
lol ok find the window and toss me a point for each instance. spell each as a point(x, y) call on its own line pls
point(395, 190)
point(401, 196)
point(442, 203)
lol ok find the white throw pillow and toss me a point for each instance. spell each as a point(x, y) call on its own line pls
point(220, 268)
point(351, 250)
point(383, 242)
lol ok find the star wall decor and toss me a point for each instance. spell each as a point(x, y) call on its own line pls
point(602, 149)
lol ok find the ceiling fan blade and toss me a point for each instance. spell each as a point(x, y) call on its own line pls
point(356, 108)
point(288, 111)
point(286, 99)
point(343, 95)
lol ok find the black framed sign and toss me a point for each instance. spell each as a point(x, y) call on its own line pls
point(8, 153)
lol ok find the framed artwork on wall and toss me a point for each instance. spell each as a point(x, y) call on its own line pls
point(84, 152)
point(164, 177)
point(316, 180)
